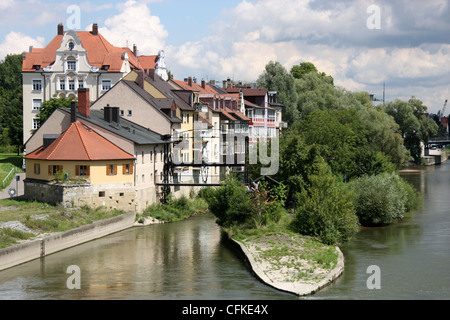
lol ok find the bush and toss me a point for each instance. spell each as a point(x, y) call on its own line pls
point(325, 210)
point(383, 198)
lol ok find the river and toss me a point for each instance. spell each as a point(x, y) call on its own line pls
point(192, 260)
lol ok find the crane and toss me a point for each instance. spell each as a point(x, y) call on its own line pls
point(441, 112)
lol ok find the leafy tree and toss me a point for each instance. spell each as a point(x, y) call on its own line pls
point(51, 105)
point(11, 104)
point(276, 78)
point(383, 198)
point(325, 210)
point(415, 127)
point(300, 70)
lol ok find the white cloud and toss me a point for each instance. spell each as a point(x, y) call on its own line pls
point(135, 25)
point(6, 4)
point(16, 42)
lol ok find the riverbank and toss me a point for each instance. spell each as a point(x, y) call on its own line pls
point(291, 262)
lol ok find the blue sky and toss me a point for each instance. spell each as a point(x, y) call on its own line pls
point(408, 49)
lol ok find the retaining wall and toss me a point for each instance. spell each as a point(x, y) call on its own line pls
point(20, 253)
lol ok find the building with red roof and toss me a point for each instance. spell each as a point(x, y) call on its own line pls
point(73, 60)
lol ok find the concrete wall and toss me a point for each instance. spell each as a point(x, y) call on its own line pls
point(25, 252)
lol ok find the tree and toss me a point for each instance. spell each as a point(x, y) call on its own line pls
point(300, 70)
point(276, 78)
point(415, 127)
point(11, 103)
point(51, 105)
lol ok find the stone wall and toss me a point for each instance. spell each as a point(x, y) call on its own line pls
point(35, 249)
point(120, 196)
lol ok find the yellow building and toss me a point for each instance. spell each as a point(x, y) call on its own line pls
point(83, 168)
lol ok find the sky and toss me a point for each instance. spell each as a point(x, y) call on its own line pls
point(364, 45)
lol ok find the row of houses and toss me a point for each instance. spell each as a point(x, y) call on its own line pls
point(134, 135)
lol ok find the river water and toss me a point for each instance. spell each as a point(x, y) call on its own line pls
point(192, 260)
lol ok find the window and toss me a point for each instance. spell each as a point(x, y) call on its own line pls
point(71, 65)
point(122, 113)
point(127, 169)
point(54, 169)
point(101, 194)
point(130, 113)
point(35, 124)
point(143, 157)
point(80, 84)
point(37, 168)
point(111, 169)
point(62, 84)
point(143, 178)
point(106, 85)
point(37, 104)
point(151, 156)
point(82, 170)
point(72, 85)
point(37, 85)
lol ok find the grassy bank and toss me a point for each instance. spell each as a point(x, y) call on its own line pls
point(24, 220)
point(9, 161)
point(175, 209)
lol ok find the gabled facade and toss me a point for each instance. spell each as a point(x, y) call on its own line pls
point(129, 188)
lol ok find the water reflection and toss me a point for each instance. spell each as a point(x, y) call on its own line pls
point(185, 260)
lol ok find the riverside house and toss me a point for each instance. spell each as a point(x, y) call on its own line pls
point(95, 158)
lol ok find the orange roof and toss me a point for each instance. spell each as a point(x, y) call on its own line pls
point(82, 144)
point(99, 53)
point(195, 87)
point(148, 62)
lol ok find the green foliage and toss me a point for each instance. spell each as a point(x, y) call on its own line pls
point(415, 127)
point(176, 209)
point(300, 70)
point(51, 105)
point(11, 100)
point(276, 78)
point(383, 198)
point(325, 210)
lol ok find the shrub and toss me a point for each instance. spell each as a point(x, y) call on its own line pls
point(325, 210)
point(383, 198)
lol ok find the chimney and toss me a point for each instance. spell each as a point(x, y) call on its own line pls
point(73, 111)
point(134, 50)
point(203, 84)
point(190, 81)
point(60, 29)
point(140, 78)
point(94, 29)
point(151, 73)
point(115, 114)
point(107, 113)
point(84, 104)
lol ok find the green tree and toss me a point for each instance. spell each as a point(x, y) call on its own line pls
point(51, 105)
point(415, 127)
point(276, 78)
point(300, 70)
point(11, 104)
point(325, 210)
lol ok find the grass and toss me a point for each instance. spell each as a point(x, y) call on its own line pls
point(45, 218)
point(9, 161)
point(176, 209)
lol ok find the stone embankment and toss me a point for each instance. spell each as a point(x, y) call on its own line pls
point(284, 265)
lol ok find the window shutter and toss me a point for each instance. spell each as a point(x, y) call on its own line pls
point(108, 170)
point(115, 169)
point(131, 168)
point(124, 169)
point(88, 170)
point(49, 170)
point(77, 170)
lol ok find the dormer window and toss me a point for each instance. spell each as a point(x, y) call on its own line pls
point(71, 65)
point(71, 45)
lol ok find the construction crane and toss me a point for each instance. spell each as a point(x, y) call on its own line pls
point(441, 113)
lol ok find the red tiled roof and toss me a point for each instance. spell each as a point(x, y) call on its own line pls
point(80, 143)
point(99, 53)
point(148, 62)
point(195, 87)
point(248, 91)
